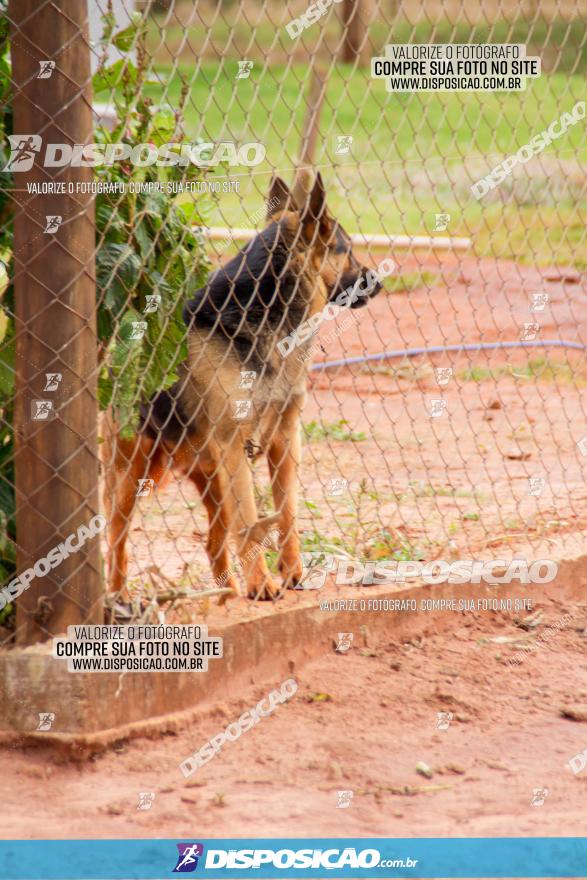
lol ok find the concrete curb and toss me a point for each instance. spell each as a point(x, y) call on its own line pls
point(92, 711)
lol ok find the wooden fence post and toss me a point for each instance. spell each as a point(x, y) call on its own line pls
point(352, 31)
point(56, 458)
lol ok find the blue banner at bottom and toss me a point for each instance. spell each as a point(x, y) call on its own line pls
point(293, 857)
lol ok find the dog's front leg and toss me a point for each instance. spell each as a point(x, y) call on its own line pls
point(242, 508)
point(284, 457)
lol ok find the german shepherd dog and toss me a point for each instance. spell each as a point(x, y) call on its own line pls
point(289, 272)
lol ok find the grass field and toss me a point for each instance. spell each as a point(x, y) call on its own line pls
point(413, 155)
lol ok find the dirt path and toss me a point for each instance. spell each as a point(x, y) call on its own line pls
point(506, 738)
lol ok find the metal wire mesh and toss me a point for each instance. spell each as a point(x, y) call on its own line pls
point(452, 450)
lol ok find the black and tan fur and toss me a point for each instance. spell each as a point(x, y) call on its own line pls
point(300, 261)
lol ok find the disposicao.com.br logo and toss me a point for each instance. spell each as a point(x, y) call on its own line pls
point(26, 147)
point(281, 859)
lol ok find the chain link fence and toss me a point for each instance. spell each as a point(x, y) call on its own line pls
point(171, 311)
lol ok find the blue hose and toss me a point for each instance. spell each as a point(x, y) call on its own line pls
point(437, 349)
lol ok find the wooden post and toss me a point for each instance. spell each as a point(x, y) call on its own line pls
point(56, 458)
point(316, 92)
point(352, 35)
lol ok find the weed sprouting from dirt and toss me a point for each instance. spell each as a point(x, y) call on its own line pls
point(316, 431)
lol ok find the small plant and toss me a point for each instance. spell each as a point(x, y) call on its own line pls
point(315, 431)
point(366, 539)
point(536, 368)
point(146, 245)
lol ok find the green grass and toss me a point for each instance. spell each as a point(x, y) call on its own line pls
point(255, 33)
point(536, 368)
point(406, 164)
point(316, 431)
point(407, 281)
point(413, 155)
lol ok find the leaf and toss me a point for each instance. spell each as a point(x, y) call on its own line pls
point(118, 269)
point(111, 78)
point(163, 124)
point(146, 245)
point(124, 39)
point(319, 698)
point(7, 369)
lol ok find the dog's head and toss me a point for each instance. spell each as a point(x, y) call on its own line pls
point(328, 247)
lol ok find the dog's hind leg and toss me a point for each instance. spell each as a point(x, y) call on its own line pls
point(284, 456)
point(129, 462)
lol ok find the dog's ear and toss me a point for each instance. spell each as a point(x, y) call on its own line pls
point(314, 214)
point(279, 198)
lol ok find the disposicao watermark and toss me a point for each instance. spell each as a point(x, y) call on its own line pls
point(578, 762)
point(234, 730)
point(313, 13)
point(345, 572)
point(537, 144)
point(361, 287)
point(54, 557)
point(26, 147)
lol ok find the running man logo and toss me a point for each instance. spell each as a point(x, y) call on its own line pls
point(46, 69)
point(536, 486)
point(41, 410)
point(242, 409)
point(247, 379)
point(145, 486)
point(53, 222)
point(146, 799)
point(46, 720)
point(53, 380)
point(443, 720)
point(441, 222)
point(344, 799)
point(443, 375)
point(23, 149)
point(529, 331)
point(344, 143)
point(336, 487)
point(539, 302)
point(244, 69)
point(139, 328)
point(345, 642)
point(187, 860)
point(539, 795)
point(152, 303)
point(436, 407)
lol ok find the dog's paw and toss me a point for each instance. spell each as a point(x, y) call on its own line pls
point(291, 571)
point(265, 588)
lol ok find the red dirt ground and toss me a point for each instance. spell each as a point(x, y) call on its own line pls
point(506, 738)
